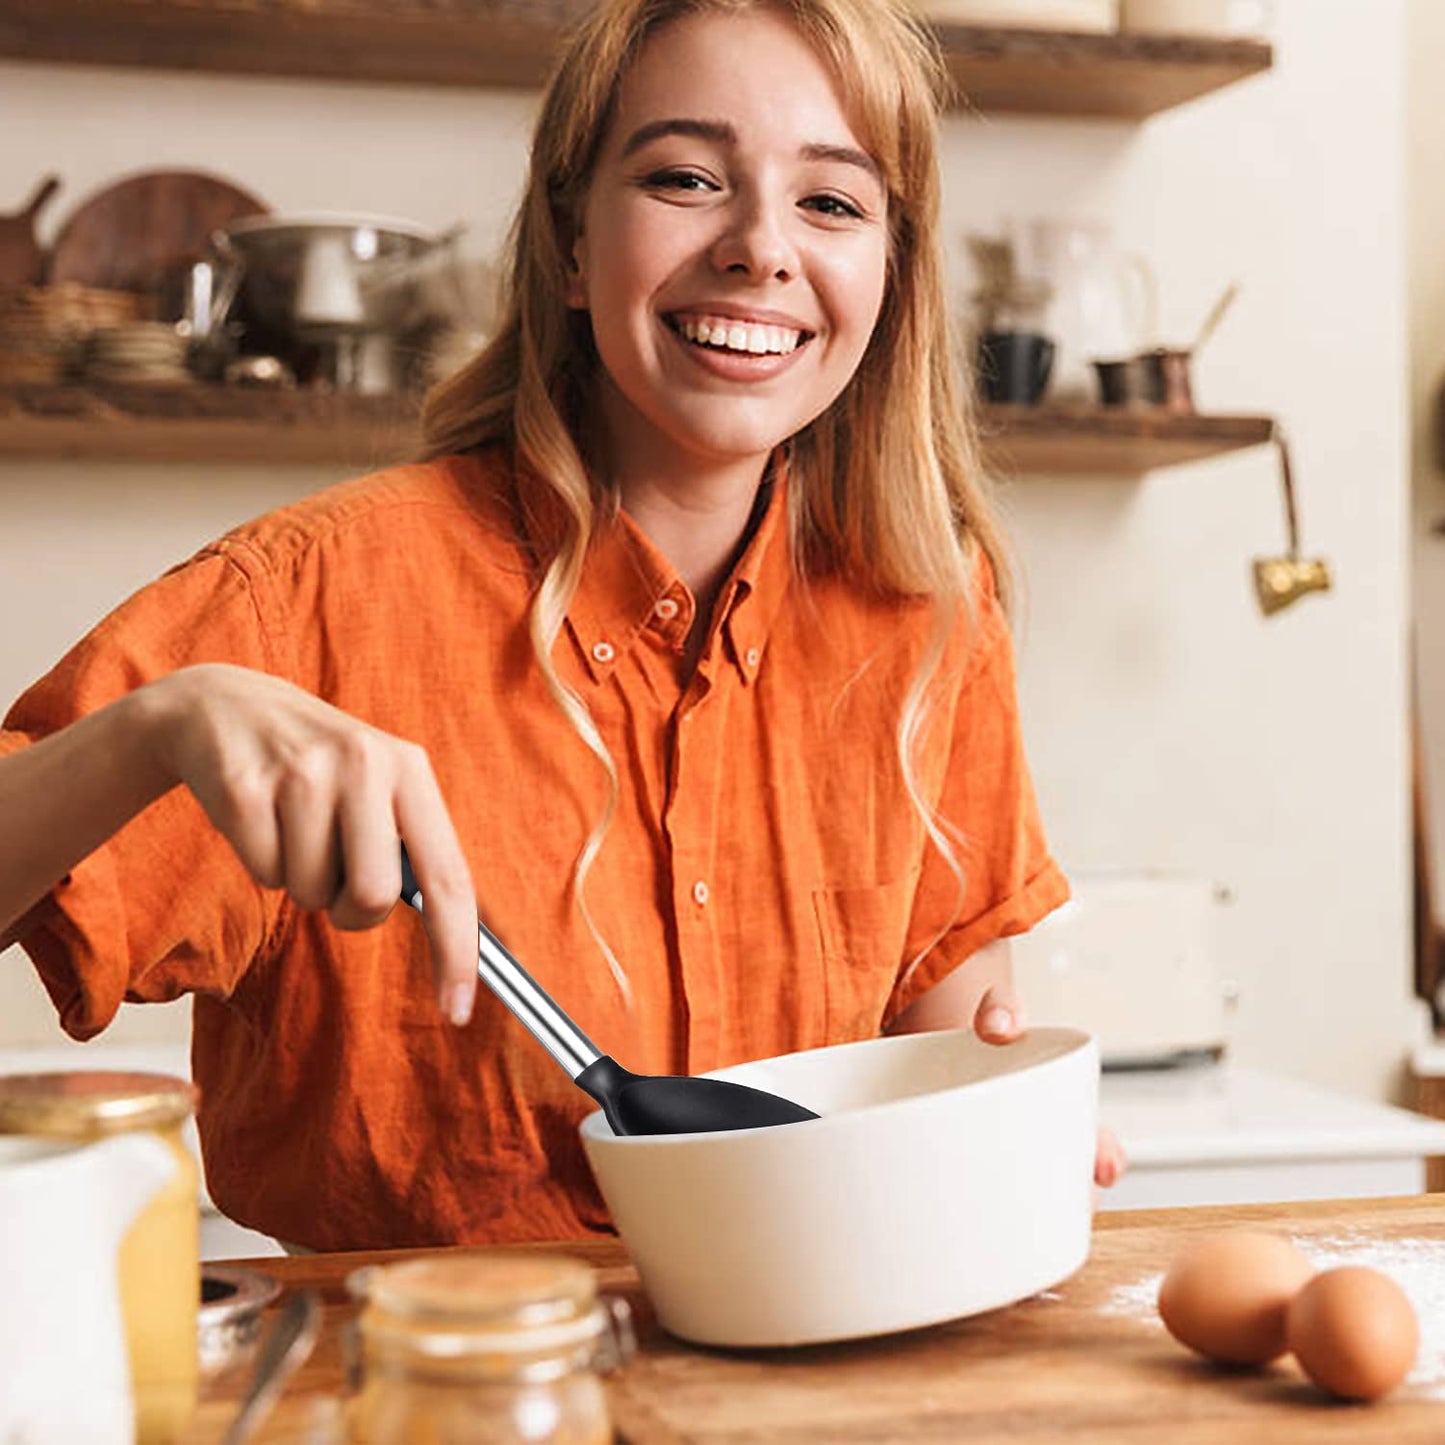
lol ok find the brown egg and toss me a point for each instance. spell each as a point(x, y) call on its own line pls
point(1354, 1332)
point(1226, 1295)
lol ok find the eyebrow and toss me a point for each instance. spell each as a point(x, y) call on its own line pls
point(720, 132)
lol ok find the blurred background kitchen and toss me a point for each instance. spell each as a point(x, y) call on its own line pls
point(1199, 265)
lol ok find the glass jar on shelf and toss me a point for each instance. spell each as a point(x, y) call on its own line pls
point(507, 1347)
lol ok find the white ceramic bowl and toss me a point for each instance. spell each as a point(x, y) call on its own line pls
point(946, 1177)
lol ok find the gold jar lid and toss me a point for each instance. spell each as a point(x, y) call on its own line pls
point(86, 1103)
point(458, 1303)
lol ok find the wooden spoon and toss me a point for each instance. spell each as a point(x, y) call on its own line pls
point(22, 262)
point(1216, 315)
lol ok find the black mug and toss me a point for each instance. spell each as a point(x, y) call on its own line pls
point(1014, 366)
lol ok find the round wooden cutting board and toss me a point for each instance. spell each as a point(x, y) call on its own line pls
point(130, 235)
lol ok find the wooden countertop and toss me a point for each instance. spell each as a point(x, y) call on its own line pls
point(1062, 1364)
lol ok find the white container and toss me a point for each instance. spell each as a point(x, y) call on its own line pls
point(1067, 15)
point(946, 1177)
point(63, 1210)
point(1195, 17)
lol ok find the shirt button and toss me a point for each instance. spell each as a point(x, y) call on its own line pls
point(700, 893)
point(603, 652)
point(753, 657)
point(666, 609)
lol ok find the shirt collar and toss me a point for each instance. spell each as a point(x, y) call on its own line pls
point(628, 586)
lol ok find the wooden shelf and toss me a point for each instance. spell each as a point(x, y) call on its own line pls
point(1124, 77)
point(1070, 441)
point(205, 423)
point(212, 423)
point(512, 42)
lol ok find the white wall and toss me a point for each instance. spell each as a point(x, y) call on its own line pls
point(1424, 155)
point(1170, 725)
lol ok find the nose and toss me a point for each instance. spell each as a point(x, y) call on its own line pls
point(756, 243)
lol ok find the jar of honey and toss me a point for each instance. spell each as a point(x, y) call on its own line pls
point(502, 1347)
point(159, 1257)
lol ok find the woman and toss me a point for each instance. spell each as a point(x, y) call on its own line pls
point(684, 645)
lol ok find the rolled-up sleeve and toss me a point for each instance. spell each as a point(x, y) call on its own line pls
point(1005, 880)
point(165, 906)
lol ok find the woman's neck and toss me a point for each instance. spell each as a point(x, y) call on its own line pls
point(702, 528)
point(698, 525)
point(694, 508)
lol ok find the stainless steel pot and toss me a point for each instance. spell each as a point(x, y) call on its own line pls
point(318, 273)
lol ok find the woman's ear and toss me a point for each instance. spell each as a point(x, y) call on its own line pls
point(576, 288)
point(567, 228)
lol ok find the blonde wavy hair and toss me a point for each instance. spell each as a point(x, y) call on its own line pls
point(884, 487)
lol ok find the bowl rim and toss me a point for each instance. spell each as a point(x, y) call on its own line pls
point(1082, 1042)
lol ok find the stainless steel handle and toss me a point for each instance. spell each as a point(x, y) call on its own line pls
point(532, 1004)
point(285, 1349)
point(516, 988)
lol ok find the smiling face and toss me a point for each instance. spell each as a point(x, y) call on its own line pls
point(733, 246)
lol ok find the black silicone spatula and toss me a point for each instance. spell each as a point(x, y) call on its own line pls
point(633, 1103)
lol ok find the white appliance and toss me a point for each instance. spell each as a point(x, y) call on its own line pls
point(1134, 958)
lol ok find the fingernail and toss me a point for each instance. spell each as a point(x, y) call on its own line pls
point(998, 1021)
point(457, 1002)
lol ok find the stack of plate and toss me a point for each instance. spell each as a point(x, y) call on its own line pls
point(42, 328)
point(152, 353)
point(31, 349)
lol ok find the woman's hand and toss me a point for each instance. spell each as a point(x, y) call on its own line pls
point(314, 801)
point(999, 1020)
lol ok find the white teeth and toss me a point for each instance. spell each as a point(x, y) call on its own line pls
point(739, 336)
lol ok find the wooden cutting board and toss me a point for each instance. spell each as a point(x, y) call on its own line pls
point(1086, 1362)
point(130, 235)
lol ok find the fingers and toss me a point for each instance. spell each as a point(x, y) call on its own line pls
point(1110, 1161)
point(306, 819)
point(366, 817)
point(246, 815)
point(449, 901)
point(316, 801)
point(999, 1016)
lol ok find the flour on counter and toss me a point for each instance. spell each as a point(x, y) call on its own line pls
point(1416, 1265)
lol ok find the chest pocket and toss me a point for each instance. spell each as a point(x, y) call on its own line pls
point(861, 934)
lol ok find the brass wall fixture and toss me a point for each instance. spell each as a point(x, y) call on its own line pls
point(1279, 581)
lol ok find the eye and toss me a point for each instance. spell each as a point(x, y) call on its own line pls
point(834, 206)
point(678, 180)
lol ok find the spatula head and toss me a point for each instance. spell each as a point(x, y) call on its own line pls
point(678, 1104)
point(669, 1104)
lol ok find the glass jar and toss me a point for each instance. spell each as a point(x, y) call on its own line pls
point(502, 1347)
point(159, 1257)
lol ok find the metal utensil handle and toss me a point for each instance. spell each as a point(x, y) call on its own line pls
point(516, 988)
point(285, 1349)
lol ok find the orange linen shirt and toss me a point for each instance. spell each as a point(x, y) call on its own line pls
point(764, 884)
